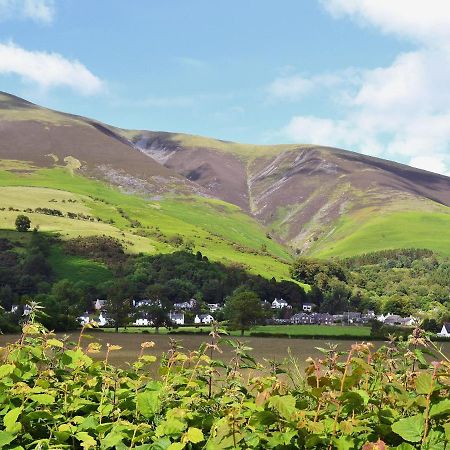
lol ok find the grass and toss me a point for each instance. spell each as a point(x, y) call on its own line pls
point(405, 229)
point(74, 268)
point(334, 331)
point(219, 230)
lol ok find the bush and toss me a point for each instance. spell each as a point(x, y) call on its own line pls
point(55, 395)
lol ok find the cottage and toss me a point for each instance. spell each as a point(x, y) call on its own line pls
point(278, 304)
point(308, 307)
point(324, 319)
point(303, 319)
point(99, 305)
point(445, 332)
point(184, 306)
point(147, 302)
point(176, 318)
point(213, 307)
point(84, 319)
point(203, 318)
point(142, 322)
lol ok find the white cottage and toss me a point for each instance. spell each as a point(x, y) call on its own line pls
point(445, 332)
point(279, 303)
point(203, 318)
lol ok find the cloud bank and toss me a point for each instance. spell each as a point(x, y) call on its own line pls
point(401, 111)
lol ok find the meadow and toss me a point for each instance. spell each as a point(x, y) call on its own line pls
point(219, 230)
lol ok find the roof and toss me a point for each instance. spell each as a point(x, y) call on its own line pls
point(447, 327)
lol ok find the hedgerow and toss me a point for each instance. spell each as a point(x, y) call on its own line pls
point(56, 394)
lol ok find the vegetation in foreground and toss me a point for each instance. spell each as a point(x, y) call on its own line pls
point(54, 395)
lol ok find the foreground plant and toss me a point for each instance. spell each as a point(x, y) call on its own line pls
point(54, 394)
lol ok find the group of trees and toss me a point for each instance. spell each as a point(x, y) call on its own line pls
point(403, 282)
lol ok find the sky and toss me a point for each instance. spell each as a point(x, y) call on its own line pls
point(372, 76)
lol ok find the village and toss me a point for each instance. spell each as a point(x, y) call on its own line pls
point(280, 313)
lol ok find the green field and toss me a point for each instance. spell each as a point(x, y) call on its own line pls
point(271, 330)
point(219, 230)
point(405, 229)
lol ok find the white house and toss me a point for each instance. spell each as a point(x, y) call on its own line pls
point(142, 322)
point(102, 320)
point(176, 318)
point(147, 302)
point(99, 304)
point(203, 318)
point(445, 332)
point(213, 307)
point(308, 307)
point(84, 319)
point(191, 304)
point(278, 304)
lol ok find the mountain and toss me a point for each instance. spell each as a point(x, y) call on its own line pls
point(271, 200)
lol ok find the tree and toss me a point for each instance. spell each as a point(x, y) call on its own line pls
point(23, 223)
point(155, 312)
point(243, 309)
point(118, 304)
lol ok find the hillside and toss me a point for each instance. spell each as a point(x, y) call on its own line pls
point(320, 200)
point(237, 203)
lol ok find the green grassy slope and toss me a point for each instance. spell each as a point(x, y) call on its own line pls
point(403, 229)
point(219, 230)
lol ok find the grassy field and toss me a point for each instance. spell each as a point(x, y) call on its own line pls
point(405, 229)
point(219, 230)
point(271, 330)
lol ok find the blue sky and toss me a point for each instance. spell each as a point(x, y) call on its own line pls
point(366, 75)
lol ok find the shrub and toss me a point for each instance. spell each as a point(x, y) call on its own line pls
point(55, 395)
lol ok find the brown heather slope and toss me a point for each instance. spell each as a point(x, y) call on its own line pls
point(46, 138)
point(299, 191)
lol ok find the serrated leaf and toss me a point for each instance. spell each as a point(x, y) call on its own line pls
point(5, 438)
point(87, 441)
point(443, 407)
point(43, 399)
point(10, 419)
point(410, 428)
point(55, 343)
point(6, 369)
point(148, 403)
point(424, 383)
point(285, 405)
point(195, 435)
point(175, 446)
point(111, 439)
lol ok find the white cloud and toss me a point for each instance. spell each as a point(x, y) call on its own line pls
point(401, 111)
point(436, 164)
point(38, 10)
point(295, 87)
point(48, 70)
point(425, 21)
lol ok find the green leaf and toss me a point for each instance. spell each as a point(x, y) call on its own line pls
point(55, 343)
point(344, 443)
point(10, 419)
point(424, 383)
point(195, 435)
point(404, 446)
point(410, 428)
point(5, 438)
point(111, 439)
point(443, 407)
point(148, 403)
point(43, 399)
point(6, 369)
point(285, 405)
point(87, 441)
point(175, 446)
